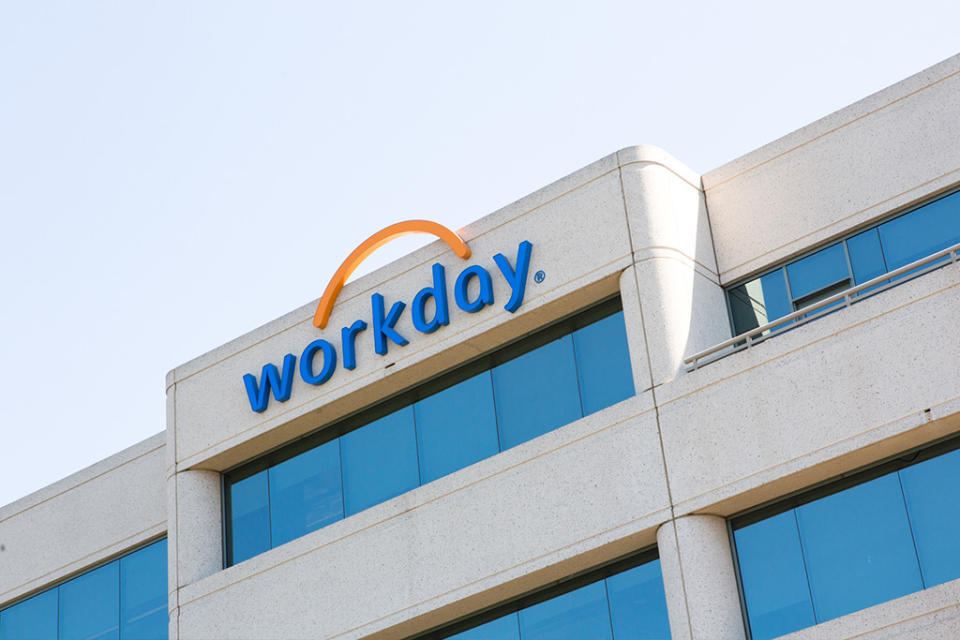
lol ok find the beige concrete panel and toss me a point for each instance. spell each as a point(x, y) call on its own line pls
point(842, 391)
point(667, 215)
point(83, 519)
point(683, 313)
point(636, 335)
point(561, 503)
point(931, 614)
point(684, 309)
point(699, 580)
point(886, 152)
point(579, 241)
point(198, 523)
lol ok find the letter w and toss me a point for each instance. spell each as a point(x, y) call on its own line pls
point(259, 395)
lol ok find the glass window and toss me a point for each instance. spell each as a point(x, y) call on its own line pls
point(921, 232)
point(774, 578)
point(819, 275)
point(931, 489)
point(123, 600)
point(858, 548)
point(582, 613)
point(866, 256)
point(505, 628)
point(143, 593)
point(536, 392)
point(759, 301)
point(305, 493)
point(603, 363)
point(638, 607)
point(456, 427)
point(434, 434)
point(249, 517)
point(379, 461)
point(31, 619)
point(90, 605)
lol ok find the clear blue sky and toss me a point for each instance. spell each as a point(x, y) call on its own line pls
point(174, 174)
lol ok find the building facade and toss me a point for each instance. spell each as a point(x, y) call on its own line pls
point(637, 403)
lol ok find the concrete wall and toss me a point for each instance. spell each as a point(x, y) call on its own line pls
point(82, 520)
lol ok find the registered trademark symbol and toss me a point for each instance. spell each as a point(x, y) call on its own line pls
point(539, 277)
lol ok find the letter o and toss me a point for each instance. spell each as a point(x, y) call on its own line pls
point(329, 362)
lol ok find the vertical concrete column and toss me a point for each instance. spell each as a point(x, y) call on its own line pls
point(699, 579)
point(674, 266)
point(194, 519)
point(199, 525)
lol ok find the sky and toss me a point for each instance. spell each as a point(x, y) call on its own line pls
point(175, 174)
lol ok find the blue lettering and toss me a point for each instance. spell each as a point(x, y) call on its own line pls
point(329, 362)
point(441, 314)
point(463, 284)
point(516, 278)
point(259, 395)
point(383, 326)
point(348, 336)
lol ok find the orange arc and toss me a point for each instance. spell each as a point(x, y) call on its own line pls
point(373, 243)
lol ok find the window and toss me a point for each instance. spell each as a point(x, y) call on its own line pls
point(852, 261)
point(125, 599)
point(624, 601)
point(560, 374)
point(878, 535)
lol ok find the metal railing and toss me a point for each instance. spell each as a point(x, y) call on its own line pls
point(822, 307)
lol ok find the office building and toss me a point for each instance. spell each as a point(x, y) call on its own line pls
point(637, 403)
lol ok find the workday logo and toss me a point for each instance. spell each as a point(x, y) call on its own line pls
point(318, 361)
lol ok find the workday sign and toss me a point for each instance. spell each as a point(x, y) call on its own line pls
point(318, 361)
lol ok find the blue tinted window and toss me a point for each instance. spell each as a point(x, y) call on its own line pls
point(759, 301)
point(603, 363)
point(866, 256)
point(90, 605)
point(125, 599)
point(143, 593)
point(921, 232)
point(822, 270)
point(249, 517)
point(932, 488)
point(858, 548)
point(583, 613)
point(437, 433)
point(31, 619)
point(305, 493)
point(505, 628)
point(774, 579)
point(638, 607)
point(536, 392)
point(456, 427)
point(379, 461)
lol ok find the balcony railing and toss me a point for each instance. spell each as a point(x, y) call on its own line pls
point(817, 309)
